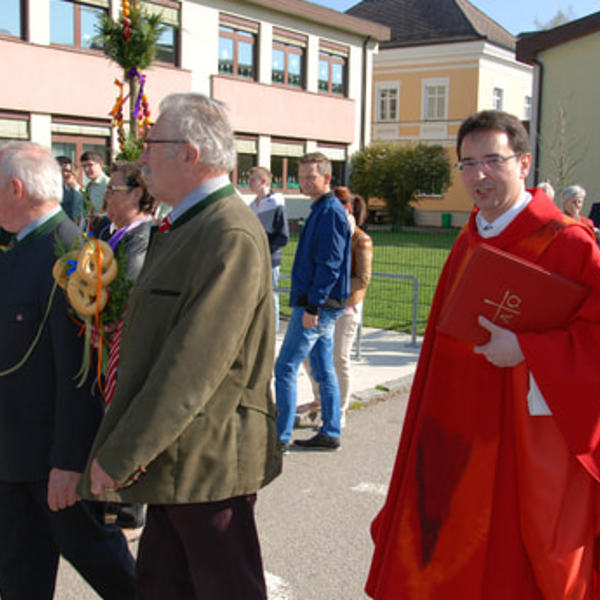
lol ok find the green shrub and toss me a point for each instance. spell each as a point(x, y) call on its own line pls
point(398, 173)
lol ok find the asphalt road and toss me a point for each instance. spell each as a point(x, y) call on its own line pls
point(314, 519)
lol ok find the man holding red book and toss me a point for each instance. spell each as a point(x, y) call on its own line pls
point(495, 489)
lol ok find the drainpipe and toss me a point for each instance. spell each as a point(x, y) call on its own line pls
point(538, 118)
point(363, 103)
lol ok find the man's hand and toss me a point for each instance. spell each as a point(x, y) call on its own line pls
point(62, 489)
point(503, 349)
point(100, 480)
point(309, 320)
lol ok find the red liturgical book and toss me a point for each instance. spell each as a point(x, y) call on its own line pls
point(511, 292)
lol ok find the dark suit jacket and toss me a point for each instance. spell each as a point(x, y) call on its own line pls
point(135, 242)
point(72, 202)
point(45, 420)
point(595, 214)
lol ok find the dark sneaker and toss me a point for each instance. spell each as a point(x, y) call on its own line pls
point(321, 441)
point(285, 447)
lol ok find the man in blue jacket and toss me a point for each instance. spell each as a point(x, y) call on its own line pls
point(320, 287)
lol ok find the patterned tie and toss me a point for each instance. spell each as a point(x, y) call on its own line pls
point(112, 367)
point(164, 225)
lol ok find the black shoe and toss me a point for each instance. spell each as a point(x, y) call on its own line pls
point(321, 441)
point(285, 447)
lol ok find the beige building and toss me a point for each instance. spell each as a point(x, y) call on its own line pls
point(445, 60)
point(565, 128)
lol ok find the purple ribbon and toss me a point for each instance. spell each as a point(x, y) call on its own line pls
point(134, 72)
point(138, 102)
point(117, 236)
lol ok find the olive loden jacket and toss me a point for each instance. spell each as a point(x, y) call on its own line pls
point(193, 404)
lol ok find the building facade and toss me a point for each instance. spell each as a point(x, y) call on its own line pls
point(295, 77)
point(445, 60)
point(565, 129)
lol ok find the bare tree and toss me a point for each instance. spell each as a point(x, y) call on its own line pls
point(560, 18)
point(563, 152)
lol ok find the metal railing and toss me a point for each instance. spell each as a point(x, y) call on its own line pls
point(415, 304)
point(415, 300)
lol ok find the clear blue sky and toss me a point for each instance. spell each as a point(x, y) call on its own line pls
point(514, 15)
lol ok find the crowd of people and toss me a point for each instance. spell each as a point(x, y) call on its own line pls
point(494, 492)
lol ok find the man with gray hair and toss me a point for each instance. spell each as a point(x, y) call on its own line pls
point(191, 429)
point(47, 423)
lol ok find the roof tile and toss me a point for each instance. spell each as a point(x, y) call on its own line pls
point(418, 22)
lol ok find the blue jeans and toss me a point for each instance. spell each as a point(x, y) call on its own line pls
point(275, 279)
point(297, 345)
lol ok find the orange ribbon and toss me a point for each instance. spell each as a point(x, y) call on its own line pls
point(97, 318)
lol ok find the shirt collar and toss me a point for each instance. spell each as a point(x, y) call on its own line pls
point(321, 198)
point(496, 227)
point(37, 223)
point(197, 195)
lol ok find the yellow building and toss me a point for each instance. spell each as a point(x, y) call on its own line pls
point(445, 60)
point(565, 128)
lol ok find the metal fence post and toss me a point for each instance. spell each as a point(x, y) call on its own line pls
point(357, 354)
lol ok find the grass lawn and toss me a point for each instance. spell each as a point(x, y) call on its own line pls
point(389, 302)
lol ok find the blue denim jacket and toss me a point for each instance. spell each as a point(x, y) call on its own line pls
point(321, 271)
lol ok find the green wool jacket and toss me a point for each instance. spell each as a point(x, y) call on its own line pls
point(193, 405)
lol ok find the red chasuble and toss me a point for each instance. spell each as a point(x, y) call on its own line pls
point(487, 502)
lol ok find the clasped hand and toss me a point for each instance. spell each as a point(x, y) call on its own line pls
point(62, 488)
point(100, 480)
point(502, 349)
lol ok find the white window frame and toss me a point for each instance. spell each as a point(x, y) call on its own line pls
point(426, 86)
point(386, 115)
point(498, 98)
point(527, 108)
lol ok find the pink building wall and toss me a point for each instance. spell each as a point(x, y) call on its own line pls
point(47, 79)
point(282, 112)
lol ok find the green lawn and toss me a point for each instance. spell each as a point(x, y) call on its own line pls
point(389, 302)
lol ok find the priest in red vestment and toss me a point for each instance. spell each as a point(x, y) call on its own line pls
point(495, 493)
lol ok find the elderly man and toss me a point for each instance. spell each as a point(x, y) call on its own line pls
point(320, 288)
point(495, 492)
point(191, 429)
point(47, 424)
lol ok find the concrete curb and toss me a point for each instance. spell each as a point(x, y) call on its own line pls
point(362, 399)
point(382, 391)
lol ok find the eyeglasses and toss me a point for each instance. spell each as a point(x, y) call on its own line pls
point(111, 189)
point(491, 163)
